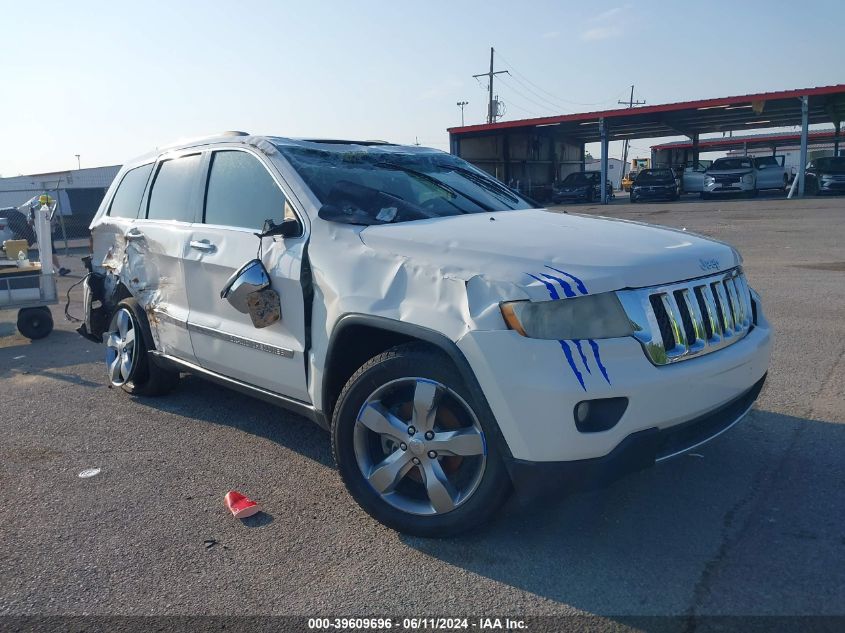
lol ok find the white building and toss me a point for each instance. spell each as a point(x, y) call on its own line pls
point(78, 192)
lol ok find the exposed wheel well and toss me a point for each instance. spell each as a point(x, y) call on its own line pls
point(354, 346)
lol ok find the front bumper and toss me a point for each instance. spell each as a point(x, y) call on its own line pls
point(533, 387)
point(654, 193)
point(733, 187)
point(579, 195)
point(832, 186)
point(638, 451)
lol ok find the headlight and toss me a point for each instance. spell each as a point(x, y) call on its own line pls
point(709, 180)
point(593, 316)
point(748, 178)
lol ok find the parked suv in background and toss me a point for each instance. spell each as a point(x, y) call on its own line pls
point(825, 175)
point(655, 184)
point(581, 186)
point(452, 339)
point(744, 174)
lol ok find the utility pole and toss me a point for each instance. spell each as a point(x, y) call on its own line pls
point(491, 114)
point(78, 162)
point(461, 105)
point(630, 103)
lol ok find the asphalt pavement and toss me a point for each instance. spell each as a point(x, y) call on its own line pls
point(753, 523)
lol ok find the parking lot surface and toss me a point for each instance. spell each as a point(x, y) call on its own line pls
point(752, 523)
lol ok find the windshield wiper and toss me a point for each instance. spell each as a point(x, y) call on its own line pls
point(436, 182)
point(488, 183)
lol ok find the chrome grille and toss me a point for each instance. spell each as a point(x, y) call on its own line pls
point(678, 321)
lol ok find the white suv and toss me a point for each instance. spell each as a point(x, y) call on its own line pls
point(455, 340)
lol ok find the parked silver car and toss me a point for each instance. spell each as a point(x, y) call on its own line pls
point(744, 174)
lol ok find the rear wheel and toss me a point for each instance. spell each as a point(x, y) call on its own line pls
point(417, 448)
point(128, 362)
point(35, 323)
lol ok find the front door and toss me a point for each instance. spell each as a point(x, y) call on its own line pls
point(241, 193)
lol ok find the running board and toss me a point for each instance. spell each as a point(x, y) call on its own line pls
point(296, 406)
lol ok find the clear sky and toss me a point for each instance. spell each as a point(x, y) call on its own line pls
point(111, 80)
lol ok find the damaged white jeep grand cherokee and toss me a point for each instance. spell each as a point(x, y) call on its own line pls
point(455, 340)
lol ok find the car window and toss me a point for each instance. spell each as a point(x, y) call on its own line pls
point(731, 163)
point(170, 198)
point(768, 160)
point(127, 198)
point(377, 184)
point(241, 192)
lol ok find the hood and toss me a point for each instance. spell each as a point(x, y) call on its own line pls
point(527, 248)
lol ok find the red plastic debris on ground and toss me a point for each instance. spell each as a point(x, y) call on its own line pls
point(239, 505)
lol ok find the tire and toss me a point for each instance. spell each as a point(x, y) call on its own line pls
point(35, 323)
point(633, 199)
point(754, 193)
point(705, 195)
point(403, 379)
point(128, 362)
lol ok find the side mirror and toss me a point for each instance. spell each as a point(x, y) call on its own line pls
point(288, 228)
point(252, 277)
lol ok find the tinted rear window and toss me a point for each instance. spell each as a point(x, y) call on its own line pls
point(241, 192)
point(170, 198)
point(768, 160)
point(127, 198)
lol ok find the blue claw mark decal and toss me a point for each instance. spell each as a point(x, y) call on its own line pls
point(552, 290)
point(580, 284)
point(597, 356)
point(577, 342)
point(554, 295)
point(568, 353)
point(567, 289)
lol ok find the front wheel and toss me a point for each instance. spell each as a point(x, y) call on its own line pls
point(416, 447)
point(128, 362)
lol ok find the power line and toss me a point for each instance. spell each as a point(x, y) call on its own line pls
point(526, 97)
point(551, 94)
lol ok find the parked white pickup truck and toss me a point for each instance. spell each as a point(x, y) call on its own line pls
point(745, 174)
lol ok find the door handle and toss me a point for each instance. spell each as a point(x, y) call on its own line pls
point(203, 245)
point(133, 235)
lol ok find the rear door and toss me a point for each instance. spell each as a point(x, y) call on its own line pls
point(156, 244)
point(242, 190)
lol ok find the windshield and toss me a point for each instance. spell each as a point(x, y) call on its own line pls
point(656, 176)
point(376, 184)
point(831, 164)
point(731, 163)
point(577, 179)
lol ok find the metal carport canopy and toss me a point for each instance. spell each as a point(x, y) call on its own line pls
point(751, 141)
point(689, 118)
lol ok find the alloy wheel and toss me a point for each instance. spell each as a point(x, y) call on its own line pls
point(420, 446)
point(121, 348)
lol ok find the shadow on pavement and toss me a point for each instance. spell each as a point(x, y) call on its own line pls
point(731, 529)
point(204, 400)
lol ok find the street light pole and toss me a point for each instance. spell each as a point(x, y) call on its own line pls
point(461, 105)
point(78, 162)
